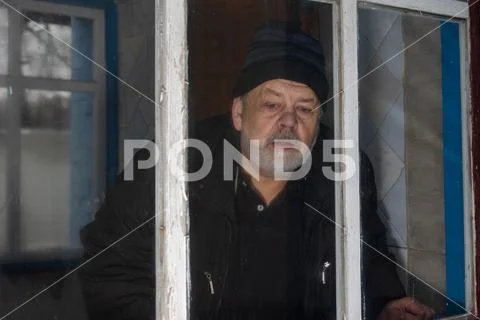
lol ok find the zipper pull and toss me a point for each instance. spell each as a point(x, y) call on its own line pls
point(326, 265)
point(208, 275)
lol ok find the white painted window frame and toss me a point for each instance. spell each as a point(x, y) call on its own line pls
point(16, 82)
point(172, 271)
point(171, 122)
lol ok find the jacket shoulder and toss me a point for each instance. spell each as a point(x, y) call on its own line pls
point(118, 280)
point(211, 129)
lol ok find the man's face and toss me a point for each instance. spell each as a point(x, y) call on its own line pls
point(277, 109)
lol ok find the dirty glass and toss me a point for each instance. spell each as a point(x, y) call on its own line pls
point(412, 130)
point(45, 171)
point(255, 255)
point(51, 169)
point(56, 46)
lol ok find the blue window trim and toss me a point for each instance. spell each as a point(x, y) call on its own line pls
point(453, 169)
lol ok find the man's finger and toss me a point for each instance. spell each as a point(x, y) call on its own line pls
point(414, 308)
point(420, 310)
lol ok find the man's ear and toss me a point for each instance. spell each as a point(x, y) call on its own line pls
point(237, 113)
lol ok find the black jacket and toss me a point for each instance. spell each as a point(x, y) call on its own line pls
point(119, 282)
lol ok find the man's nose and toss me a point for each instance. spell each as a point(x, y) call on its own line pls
point(288, 119)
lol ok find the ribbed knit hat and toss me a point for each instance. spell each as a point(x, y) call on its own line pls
point(281, 50)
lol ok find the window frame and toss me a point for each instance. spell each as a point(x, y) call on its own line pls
point(171, 241)
point(171, 122)
point(349, 285)
point(15, 81)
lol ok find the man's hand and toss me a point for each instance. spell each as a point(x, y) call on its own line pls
point(406, 309)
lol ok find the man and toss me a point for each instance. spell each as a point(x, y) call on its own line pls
point(260, 248)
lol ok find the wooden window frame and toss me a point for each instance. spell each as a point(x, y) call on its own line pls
point(171, 83)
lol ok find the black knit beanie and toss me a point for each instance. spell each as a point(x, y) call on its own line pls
point(281, 50)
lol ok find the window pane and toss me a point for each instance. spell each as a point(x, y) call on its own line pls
point(56, 161)
point(411, 130)
point(57, 46)
point(256, 255)
point(3, 40)
point(50, 163)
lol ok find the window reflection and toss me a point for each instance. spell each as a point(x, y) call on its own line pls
point(47, 156)
point(47, 46)
point(42, 54)
point(45, 169)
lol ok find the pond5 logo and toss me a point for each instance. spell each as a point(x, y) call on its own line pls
point(290, 159)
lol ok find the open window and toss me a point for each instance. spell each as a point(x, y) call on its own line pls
point(414, 127)
point(399, 94)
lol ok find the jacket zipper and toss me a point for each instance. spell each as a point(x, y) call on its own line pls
point(208, 275)
point(325, 266)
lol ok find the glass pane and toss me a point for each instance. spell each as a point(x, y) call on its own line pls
point(51, 151)
point(411, 130)
point(118, 280)
point(3, 40)
point(256, 252)
point(3, 170)
point(57, 46)
point(42, 218)
point(50, 173)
